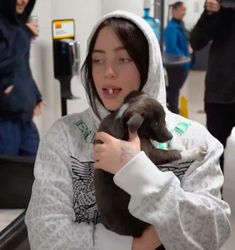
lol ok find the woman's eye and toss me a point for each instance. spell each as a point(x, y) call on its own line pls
point(125, 59)
point(97, 60)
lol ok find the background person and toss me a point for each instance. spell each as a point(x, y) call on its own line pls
point(176, 43)
point(20, 98)
point(124, 55)
point(217, 25)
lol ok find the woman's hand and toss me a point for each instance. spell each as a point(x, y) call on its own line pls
point(212, 6)
point(149, 240)
point(38, 109)
point(34, 27)
point(113, 153)
point(8, 90)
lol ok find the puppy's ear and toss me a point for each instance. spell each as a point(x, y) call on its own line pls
point(134, 122)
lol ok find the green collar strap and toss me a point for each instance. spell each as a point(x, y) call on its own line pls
point(180, 129)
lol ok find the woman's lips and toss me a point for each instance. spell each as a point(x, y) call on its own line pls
point(111, 92)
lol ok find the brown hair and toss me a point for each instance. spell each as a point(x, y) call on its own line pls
point(176, 5)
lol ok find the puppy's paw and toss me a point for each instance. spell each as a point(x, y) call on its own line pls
point(203, 149)
point(194, 153)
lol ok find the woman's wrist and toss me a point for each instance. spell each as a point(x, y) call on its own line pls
point(127, 153)
point(148, 241)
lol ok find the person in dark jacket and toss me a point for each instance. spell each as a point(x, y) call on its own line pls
point(217, 25)
point(176, 43)
point(19, 95)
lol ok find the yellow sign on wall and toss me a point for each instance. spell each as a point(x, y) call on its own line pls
point(63, 29)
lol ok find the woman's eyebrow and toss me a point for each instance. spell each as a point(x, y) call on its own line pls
point(98, 51)
point(119, 48)
point(103, 51)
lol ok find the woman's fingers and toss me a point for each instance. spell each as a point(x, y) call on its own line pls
point(134, 140)
point(102, 137)
point(133, 136)
point(112, 154)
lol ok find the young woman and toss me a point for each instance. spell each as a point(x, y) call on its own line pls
point(182, 201)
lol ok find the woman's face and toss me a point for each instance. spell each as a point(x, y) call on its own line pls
point(114, 72)
point(180, 12)
point(20, 6)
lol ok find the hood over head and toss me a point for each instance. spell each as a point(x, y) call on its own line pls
point(8, 10)
point(155, 84)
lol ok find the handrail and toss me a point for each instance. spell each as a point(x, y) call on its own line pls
point(14, 236)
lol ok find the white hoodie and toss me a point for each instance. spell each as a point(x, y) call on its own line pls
point(181, 201)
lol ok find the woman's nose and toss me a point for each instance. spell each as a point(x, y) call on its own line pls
point(110, 71)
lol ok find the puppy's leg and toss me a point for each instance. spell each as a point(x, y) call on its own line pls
point(193, 154)
point(159, 156)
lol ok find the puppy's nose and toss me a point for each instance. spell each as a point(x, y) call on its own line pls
point(168, 136)
point(164, 135)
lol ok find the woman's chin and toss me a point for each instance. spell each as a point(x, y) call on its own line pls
point(112, 108)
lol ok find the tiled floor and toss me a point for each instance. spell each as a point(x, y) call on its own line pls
point(193, 90)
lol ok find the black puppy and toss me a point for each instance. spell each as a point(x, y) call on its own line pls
point(143, 113)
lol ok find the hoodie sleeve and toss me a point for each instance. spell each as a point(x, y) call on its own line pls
point(37, 93)
point(6, 60)
point(36, 90)
point(188, 214)
point(205, 29)
point(50, 217)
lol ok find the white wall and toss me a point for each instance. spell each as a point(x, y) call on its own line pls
point(135, 6)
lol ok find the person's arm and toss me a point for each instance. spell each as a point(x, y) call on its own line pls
point(37, 109)
point(36, 90)
point(6, 58)
point(33, 28)
point(50, 217)
point(37, 93)
point(207, 26)
point(39, 101)
point(187, 214)
point(6, 67)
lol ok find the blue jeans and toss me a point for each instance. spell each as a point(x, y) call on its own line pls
point(19, 138)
